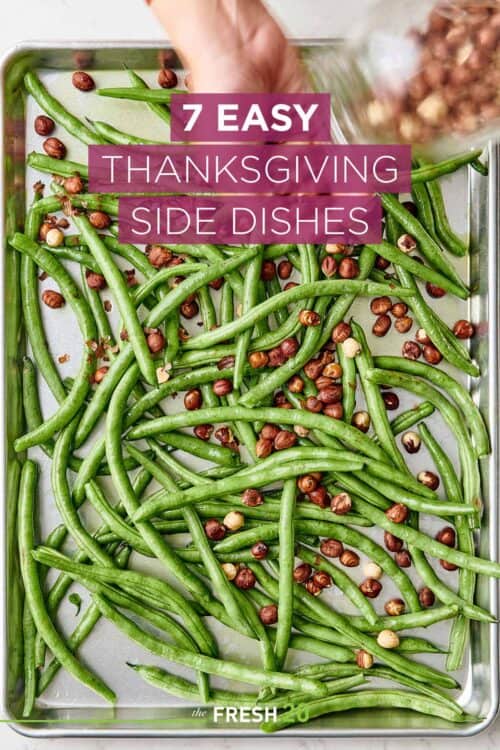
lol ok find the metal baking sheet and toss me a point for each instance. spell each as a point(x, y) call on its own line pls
point(68, 707)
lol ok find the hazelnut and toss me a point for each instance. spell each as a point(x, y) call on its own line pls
point(54, 238)
point(302, 432)
point(341, 504)
point(331, 548)
point(403, 559)
point(285, 269)
point(189, 309)
point(394, 607)
point(335, 411)
point(411, 442)
point(333, 370)
point(397, 513)
point(393, 543)
point(44, 125)
point(391, 400)
point(95, 280)
point(341, 332)
point(433, 109)
point(404, 324)
point(55, 148)
point(388, 639)
point(434, 291)
point(381, 326)
point(348, 268)
point(432, 355)
point(74, 184)
point(406, 243)
point(100, 374)
point(263, 448)
point(44, 230)
point(361, 420)
point(330, 395)
point(380, 305)
point(222, 387)
point(313, 588)
point(193, 399)
point(399, 309)
point(370, 588)
point(302, 573)
point(351, 348)
point(269, 431)
point(422, 337)
point(289, 285)
point(82, 81)
point(245, 579)
point(335, 249)
point(158, 256)
point(289, 347)
point(464, 329)
point(322, 579)
point(313, 368)
point(155, 342)
point(259, 550)
point(216, 284)
point(251, 498)
point(296, 384)
point(428, 479)
point(203, 431)
point(230, 571)
point(364, 660)
point(224, 435)
point(215, 530)
point(257, 360)
point(234, 520)
point(99, 219)
point(447, 536)
point(284, 440)
point(309, 318)
point(349, 558)
point(448, 565)
point(53, 299)
point(269, 614)
point(307, 483)
point(319, 497)
point(167, 78)
point(411, 350)
point(276, 357)
point(268, 270)
point(372, 570)
point(381, 263)
point(426, 597)
point(329, 266)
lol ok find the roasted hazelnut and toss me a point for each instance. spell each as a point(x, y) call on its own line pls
point(329, 266)
point(394, 607)
point(399, 309)
point(397, 513)
point(289, 347)
point(269, 614)
point(370, 587)
point(351, 348)
point(393, 543)
point(319, 496)
point(426, 597)
point(204, 431)
point(335, 249)
point(448, 565)
point(216, 284)
point(381, 264)
point(224, 435)
point(331, 395)
point(404, 324)
point(391, 400)
point(323, 382)
point(313, 368)
point(259, 550)
point(74, 184)
point(341, 332)
point(388, 639)
point(464, 329)
point(432, 355)
point(55, 148)
point(411, 442)
point(193, 399)
point(322, 579)
point(309, 318)
point(313, 404)
point(406, 243)
point(269, 431)
point(361, 420)
point(44, 230)
point(268, 270)
point(53, 299)
point(230, 571)
point(55, 237)
point(348, 268)
point(380, 305)
point(428, 479)
point(285, 269)
point(158, 256)
point(245, 579)
point(302, 432)
point(215, 530)
point(434, 291)
point(234, 520)
point(331, 548)
point(290, 285)
point(341, 503)
point(100, 374)
point(44, 125)
point(258, 360)
point(313, 588)
point(333, 370)
point(411, 350)
point(222, 387)
point(372, 570)
point(307, 483)
point(349, 558)
point(296, 384)
point(189, 309)
point(252, 497)
point(167, 78)
point(447, 536)
point(155, 341)
point(381, 326)
point(276, 358)
point(403, 559)
point(284, 440)
point(263, 448)
point(95, 280)
point(302, 573)
point(364, 660)
point(335, 411)
point(99, 219)
point(82, 81)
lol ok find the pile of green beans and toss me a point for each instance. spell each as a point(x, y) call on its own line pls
point(276, 483)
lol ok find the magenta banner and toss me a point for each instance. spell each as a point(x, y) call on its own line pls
point(206, 118)
point(249, 169)
point(249, 220)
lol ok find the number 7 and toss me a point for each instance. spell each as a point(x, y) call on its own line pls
point(196, 110)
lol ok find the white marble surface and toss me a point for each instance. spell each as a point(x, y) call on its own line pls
point(130, 19)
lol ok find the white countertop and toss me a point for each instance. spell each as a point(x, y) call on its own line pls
point(28, 20)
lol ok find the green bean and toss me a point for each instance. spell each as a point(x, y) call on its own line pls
point(58, 112)
point(139, 94)
point(348, 383)
point(74, 400)
point(219, 454)
point(74, 254)
point(409, 418)
point(448, 237)
point(160, 110)
point(433, 171)
point(113, 135)
point(30, 675)
point(425, 213)
point(61, 167)
point(421, 619)
point(34, 593)
point(249, 300)
point(286, 561)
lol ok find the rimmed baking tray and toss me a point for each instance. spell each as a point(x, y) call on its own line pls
point(69, 709)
